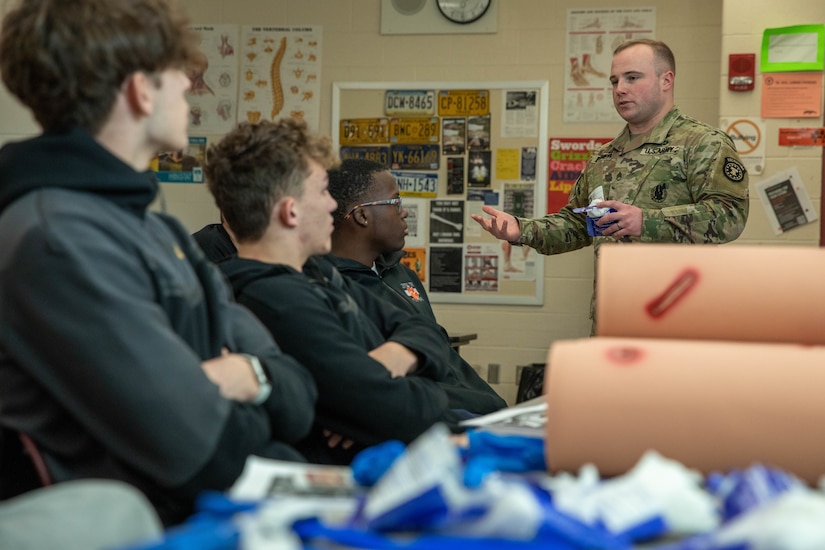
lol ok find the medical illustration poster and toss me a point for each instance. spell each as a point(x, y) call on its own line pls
point(592, 35)
point(280, 73)
point(213, 95)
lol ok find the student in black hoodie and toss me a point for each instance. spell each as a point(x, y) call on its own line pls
point(122, 355)
point(379, 370)
point(367, 247)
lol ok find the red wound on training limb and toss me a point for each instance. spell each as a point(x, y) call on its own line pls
point(624, 355)
point(675, 292)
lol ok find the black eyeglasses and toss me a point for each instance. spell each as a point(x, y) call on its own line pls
point(396, 201)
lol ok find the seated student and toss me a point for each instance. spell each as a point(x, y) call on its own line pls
point(121, 354)
point(376, 366)
point(367, 247)
point(369, 235)
point(216, 242)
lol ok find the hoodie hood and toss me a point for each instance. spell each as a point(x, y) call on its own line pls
point(76, 162)
point(242, 272)
point(388, 261)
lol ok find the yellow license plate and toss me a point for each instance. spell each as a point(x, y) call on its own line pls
point(414, 130)
point(463, 102)
point(364, 131)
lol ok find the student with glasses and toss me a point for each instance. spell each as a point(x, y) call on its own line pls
point(367, 247)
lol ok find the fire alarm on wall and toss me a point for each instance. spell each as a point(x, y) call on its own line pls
point(741, 72)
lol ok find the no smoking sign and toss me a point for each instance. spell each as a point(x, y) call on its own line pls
point(748, 137)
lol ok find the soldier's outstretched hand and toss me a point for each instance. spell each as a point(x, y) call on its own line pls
point(500, 225)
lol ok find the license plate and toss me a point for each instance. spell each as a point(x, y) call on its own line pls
point(414, 183)
point(364, 131)
point(415, 157)
point(409, 102)
point(414, 130)
point(380, 155)
point(463, 102)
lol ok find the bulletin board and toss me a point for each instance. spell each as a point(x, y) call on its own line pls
point(454, 147)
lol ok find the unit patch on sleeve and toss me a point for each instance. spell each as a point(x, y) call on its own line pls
point(734, 170)
point(411, 291)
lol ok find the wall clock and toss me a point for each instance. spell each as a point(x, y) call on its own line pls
point(463, 12)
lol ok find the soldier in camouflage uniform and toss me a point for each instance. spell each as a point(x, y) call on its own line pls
point(669, 177)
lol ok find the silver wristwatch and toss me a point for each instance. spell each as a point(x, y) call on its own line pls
point(264, 387)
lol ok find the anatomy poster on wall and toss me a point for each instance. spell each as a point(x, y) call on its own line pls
point(280, 74)
point(213, 95)
point(592, 35)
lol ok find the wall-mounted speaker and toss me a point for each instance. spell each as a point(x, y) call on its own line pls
point(423, 17)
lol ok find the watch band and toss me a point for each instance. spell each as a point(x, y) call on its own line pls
point(264, 387)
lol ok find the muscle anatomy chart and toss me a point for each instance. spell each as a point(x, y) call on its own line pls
point(213, 95)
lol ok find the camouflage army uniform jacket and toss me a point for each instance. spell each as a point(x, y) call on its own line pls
point(685, 176)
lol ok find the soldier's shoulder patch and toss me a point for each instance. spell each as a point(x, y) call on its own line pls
point(733, 169)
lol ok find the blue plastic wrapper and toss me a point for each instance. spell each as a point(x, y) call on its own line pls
point(595, 230)
point(489, 452)
point(743, 490)
point(372, 463)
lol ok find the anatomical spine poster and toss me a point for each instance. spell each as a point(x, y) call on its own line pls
point(280, 74)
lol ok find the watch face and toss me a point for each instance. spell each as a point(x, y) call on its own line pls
point(463, 11)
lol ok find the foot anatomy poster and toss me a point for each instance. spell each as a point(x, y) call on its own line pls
point(592, 35)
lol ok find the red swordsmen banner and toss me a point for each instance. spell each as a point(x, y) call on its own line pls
point(568, 156)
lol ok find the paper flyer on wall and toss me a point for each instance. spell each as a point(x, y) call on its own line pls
point(786, 201)
point(416, 219)
point(519, 262)
point(520, 115)
point(213, 94)
point(592, 35)
point(280, 73)
point(183, 165)
point(416, 260)
point(481, 268)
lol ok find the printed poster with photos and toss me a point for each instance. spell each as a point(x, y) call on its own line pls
point(182, 166)
point(280, 73)
point(481, 268)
